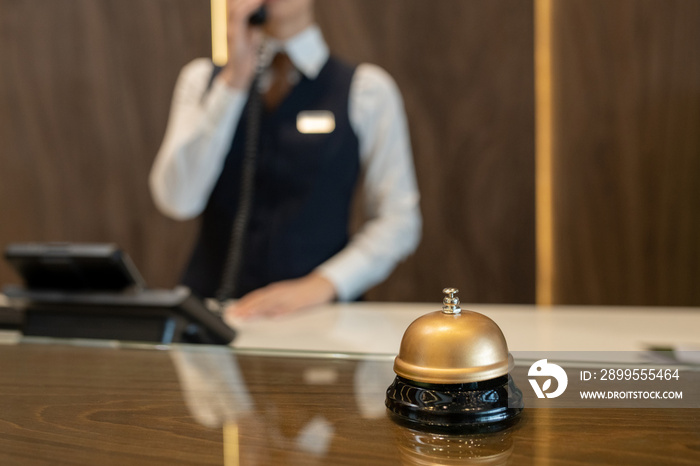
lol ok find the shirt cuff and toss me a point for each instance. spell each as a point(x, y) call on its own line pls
point(352, 273)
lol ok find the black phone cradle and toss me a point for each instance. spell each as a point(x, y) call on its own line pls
point(159, 316)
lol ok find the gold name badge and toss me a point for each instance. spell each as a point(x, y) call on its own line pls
point(315, 122)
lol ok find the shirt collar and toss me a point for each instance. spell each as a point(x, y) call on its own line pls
point(307, 51)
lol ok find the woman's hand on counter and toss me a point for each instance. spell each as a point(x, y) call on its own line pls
point(283, 297)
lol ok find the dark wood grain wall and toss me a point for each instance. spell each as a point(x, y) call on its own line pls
point(85, 87)
point(627, 151)
point(465, 69)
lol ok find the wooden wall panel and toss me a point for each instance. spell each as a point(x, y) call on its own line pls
point(85, 87)
point(465, 69)
point(627, 151)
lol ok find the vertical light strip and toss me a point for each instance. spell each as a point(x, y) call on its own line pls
point(543, 152)
point(231, 447)
point(219, 44)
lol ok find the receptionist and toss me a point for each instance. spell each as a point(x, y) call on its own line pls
point(275, 206)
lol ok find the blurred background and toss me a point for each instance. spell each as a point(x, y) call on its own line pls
point(556, 142)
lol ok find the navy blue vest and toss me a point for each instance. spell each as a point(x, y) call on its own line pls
point(302, 192)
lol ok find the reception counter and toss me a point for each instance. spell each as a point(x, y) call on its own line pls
point(310, 389)
point(378, 327)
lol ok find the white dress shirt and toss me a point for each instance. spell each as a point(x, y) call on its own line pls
point(199, 135)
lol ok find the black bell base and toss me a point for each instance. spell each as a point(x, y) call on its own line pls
point(477, 407)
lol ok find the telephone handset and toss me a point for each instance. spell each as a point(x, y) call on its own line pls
point(258, 17)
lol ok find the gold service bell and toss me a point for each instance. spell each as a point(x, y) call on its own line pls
point(452, 373)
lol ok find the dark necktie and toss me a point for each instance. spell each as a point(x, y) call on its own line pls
point(280, 84)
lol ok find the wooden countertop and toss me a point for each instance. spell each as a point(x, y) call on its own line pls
point(66, 404)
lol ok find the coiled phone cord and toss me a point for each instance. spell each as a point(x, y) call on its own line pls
point(234, 257)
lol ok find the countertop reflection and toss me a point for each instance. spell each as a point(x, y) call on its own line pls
point(276, 410)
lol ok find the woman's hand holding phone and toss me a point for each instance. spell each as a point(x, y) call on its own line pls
point(243, 43)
